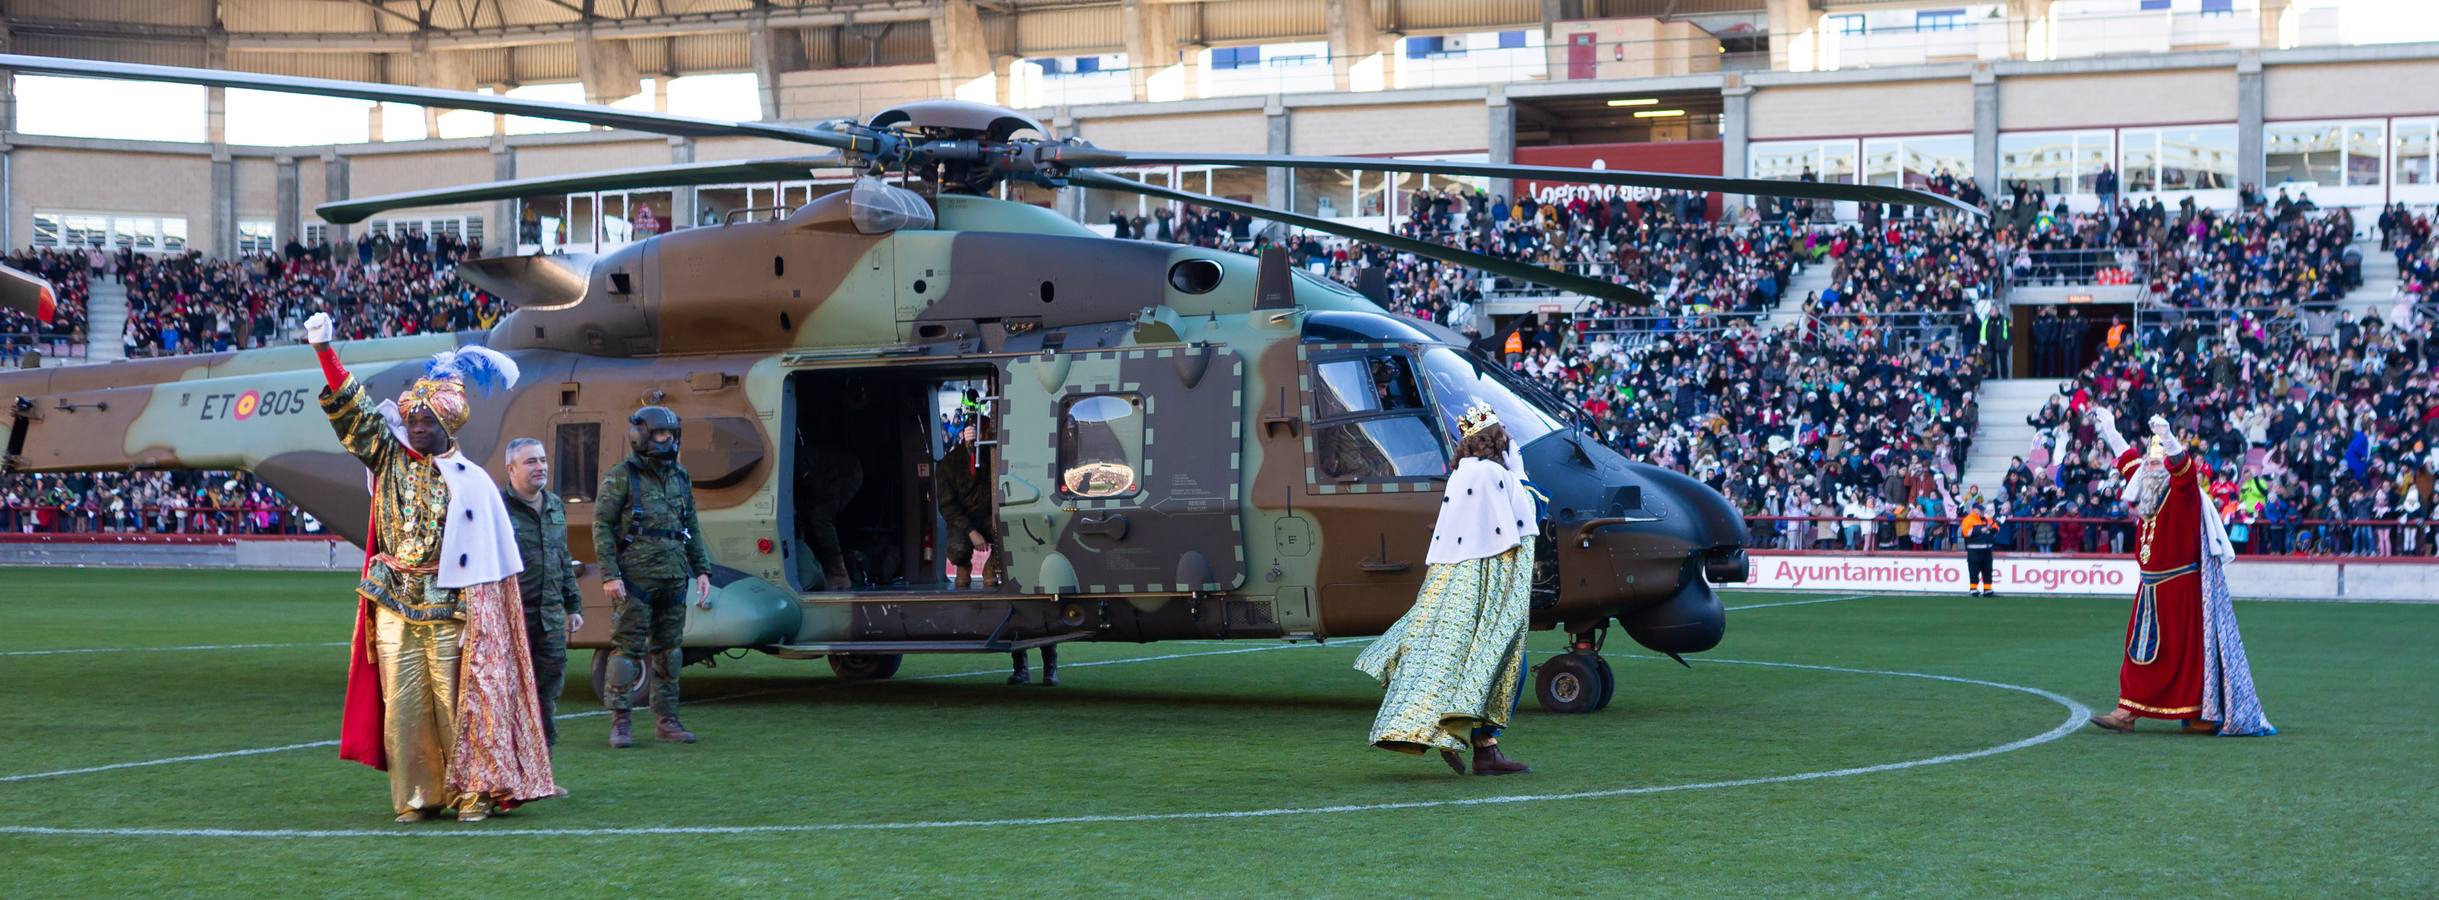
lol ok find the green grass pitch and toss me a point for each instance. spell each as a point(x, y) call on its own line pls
point(2345, 801)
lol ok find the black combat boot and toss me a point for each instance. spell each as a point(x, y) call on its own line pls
point(1021, 674)
point(668, 729)
point(1050, 665)
point(620, 739)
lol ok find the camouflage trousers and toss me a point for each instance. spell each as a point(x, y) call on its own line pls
point(646, 627)
point(546, 636)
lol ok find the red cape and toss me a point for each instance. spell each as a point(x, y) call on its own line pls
point(360, 721)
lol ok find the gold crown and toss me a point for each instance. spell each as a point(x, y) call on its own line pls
point(1477, 416)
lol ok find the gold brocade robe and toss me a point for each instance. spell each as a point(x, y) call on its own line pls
point(410, 507)
point(1454, 662)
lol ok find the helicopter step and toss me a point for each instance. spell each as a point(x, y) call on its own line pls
point(875, 648)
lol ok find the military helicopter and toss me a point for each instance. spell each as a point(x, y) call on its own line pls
point(1189, 443)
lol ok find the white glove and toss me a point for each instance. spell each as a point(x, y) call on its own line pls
point(2159, 428)
point(2102, 418)
point(318, 329)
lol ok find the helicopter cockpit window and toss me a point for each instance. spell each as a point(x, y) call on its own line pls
point(1100, 440)
point(1365, 384)
point(1370, 421)
point(1456, 384)
point(1396, 447)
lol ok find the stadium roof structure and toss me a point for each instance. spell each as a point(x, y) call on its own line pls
point(468, 43)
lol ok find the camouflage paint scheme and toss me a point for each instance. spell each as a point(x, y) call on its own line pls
point(1228, 536)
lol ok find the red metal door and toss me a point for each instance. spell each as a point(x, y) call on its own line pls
point(1582, 63)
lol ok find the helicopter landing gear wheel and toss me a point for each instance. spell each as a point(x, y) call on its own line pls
point(1609, 682)
point(865, 666)
point(607, 664)
point(1574, 683)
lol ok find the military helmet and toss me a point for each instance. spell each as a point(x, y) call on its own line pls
point(647, 420)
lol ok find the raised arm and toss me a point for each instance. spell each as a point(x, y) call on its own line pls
point(353, 416)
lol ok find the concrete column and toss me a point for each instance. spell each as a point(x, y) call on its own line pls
point(1986, 128)
point(501, 238)
point(776, 52)
point(285, 226)
point(660, 92)
point(1502, 136)
point(608, 70)
point(1280, 182)
point(681, 197)
point(1151, 43)
point(334, 187)
point(2273, 23)
point(216, 99)
point(372, 125)
point(960, 53)
point(8, 128)
point(1735, 127)
point(1795, 36)
point(224, 203)
point(499, 121)
point(447, 69)
point(1354, 37)
point(2251, 168)
point(2030, 31)
point(1070, 200)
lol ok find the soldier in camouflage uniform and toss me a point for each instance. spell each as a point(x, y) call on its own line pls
point(553, 608)
point(649, 543)
point(963, 482)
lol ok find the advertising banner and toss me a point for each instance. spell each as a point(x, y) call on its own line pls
point(1675, 157)
point(1940, 573)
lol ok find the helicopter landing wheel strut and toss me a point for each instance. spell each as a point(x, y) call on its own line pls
point(1577, 681)
point(865, 666)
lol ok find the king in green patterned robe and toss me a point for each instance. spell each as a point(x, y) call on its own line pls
point(1454, 664)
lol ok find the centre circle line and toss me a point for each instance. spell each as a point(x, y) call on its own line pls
point(2076, 713)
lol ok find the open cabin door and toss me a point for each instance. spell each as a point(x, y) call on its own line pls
point(1119, 471)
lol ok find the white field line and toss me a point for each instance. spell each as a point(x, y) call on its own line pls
point(1800, 602)
point(2075, 715)
point(257, 751)
point(188, 647)
point(1239, 642)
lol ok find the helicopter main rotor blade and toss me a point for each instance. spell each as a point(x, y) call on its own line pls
point(1803, 190)
point(654, 122)
point(346, 212)
point(1552, 278)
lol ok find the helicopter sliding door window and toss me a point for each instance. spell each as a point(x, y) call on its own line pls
point(1370, 422)
point(576, 461)
point(1100, 442)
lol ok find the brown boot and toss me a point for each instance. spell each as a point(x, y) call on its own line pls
point(620, 738)
point(1454, 760)
point(965, 579)
point(2201, 726)
point(2116, 721)
point(668, 729)
point(1489, 761)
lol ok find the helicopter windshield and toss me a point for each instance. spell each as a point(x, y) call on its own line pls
point(1456, 383)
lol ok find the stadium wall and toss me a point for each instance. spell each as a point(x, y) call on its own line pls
point(179, 551)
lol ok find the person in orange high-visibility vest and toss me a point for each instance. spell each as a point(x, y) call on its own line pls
point(1981, 535)
point(2117, 332)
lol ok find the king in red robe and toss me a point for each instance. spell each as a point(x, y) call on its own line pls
point(2184, 658)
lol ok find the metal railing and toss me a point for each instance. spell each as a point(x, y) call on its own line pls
point(15, 344)
point(85, 518)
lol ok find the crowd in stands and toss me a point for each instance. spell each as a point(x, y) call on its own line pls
point(2314, 425)
point(383, 288)
point(1845, 427)
point(69, 273)
point(203, 503)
